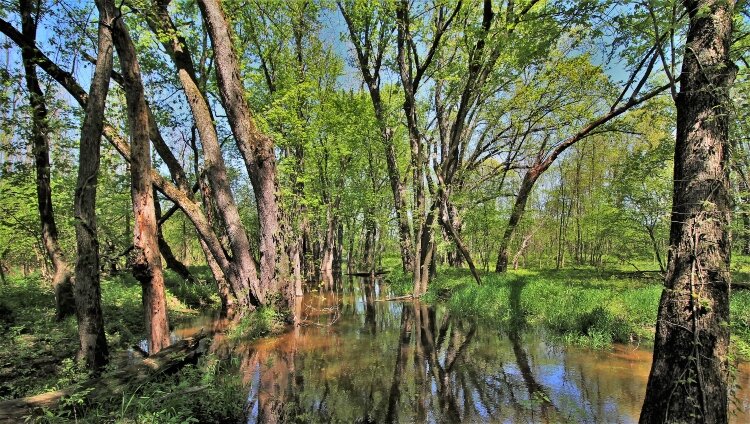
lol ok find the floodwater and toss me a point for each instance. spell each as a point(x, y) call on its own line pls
point(356, 358)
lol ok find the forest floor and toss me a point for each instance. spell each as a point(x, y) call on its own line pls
point(36, 353)
point(589, 307)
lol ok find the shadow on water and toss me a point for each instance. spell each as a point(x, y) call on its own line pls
point(537, 393)
point(357, 358)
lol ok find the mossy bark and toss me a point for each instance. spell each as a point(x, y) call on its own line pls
point(690, 370)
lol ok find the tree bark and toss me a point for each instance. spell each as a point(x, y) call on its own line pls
point(243, 277)
point(63, 275)
point(257, 149)
point(690, 370)
point(166, 251)
point(93, 349)
point(527, 184)
point(145, 258)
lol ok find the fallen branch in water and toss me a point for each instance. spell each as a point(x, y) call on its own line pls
point(389, 299)
point(168, 361)
point(367, 274)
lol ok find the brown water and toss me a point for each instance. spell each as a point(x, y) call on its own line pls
point(355, 359)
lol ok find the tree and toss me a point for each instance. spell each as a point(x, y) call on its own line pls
point(87, 290)
point(257, 150)
point(145, 258)
point(688, 380)
point(61, 280)
point(370, 32)
point(239, 269)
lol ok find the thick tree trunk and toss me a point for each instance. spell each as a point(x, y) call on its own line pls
point(145, 258)
point(243, 277)
point(93, 349)
point(425, 263)
point(257, 149)
point(690, 370)
point(62, 278)
point(225, 294)
point(527, 184)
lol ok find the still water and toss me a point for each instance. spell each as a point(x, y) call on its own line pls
point(356, 358)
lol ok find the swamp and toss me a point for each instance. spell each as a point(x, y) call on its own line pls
point(350, 211)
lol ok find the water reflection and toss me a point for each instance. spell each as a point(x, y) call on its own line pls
point(356, 358)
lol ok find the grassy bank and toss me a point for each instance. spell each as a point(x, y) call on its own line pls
point(37, 353)
point(585, 307)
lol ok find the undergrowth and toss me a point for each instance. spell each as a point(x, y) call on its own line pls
point(207, 392)
point(582, 307)
point(263, 322)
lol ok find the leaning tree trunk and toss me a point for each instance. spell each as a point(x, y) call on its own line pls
point(527, 184)
point(93, 349)
point(242, 276)
point(257, 148)
point(688, 380)
point(166, 251)
point(62, 278)
point(145, 258)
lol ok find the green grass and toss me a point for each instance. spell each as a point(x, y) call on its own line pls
point(37, 353)
point(206, 392)
point(585, 306)
point(399, 282)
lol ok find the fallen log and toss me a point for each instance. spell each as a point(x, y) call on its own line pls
point(111, 385)
point(390, 299)
point(367, 273)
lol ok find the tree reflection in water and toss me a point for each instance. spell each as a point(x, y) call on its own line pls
point(356, 358)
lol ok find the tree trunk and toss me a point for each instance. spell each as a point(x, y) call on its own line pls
point(243, 277)
point(257, 149)
point(228, 301)
point(62, 278)
point(745, 231)
point(456, 258)
point(93, 349)
point(145, 258)
point(425, 260)
point(399, 202)
point(166, 252)
point(515, 217)
point(655, 245)
point(448, 224)
point(329, 249)
point(690, 370)
point(522, 249)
